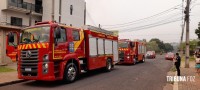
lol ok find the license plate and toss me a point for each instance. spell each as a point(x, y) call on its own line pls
point(27, 69)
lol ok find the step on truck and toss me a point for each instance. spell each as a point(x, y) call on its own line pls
point(51, 51)
point(131, 52)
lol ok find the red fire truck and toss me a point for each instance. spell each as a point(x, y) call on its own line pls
point(50, 51)
point(131, 52)
point(11, 50)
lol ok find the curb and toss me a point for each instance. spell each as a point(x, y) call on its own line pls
point(12, 82)
point(175, 86)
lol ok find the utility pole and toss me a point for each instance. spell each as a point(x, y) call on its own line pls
point(187, 18)
point(181, 47)
point(182, 26)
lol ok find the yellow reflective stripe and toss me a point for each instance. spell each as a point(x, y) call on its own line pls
point(38, 45)
point(26, 46)
point(30, 46)
point(23, 46)
point(20, 47)
point(34, 46)
point(43, 45)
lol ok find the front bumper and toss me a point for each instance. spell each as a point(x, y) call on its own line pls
point(40, 75)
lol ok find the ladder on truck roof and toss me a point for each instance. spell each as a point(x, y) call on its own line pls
point(92, 28)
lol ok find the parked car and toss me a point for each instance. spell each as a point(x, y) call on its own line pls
point(151, 54)
point(169, 56)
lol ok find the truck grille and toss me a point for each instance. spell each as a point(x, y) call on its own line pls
point(121, 56)
point(29, 62)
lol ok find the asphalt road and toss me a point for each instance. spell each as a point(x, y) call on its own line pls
point(150, 75)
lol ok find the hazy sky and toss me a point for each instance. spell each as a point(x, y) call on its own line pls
point(120, 12)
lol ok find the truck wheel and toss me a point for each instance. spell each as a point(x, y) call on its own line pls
point(108, 65)
point(134, 61)
point(70, 73)
point(143, 60)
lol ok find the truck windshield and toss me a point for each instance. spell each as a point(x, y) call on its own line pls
point(36, 34)
point(123, 44)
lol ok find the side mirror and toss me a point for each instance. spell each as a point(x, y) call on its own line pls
point(11, 37)
point(132, 44)
point(58, 32)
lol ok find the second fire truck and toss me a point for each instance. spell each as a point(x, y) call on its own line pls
point(50, 51)
point(131, 52)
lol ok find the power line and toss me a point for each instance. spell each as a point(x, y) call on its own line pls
point(169, 17)
point(153, 34)
point(161, 13)
point(91, 18)
point(161, 21)
point(149, 26)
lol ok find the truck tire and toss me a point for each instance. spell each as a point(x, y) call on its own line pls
point(143, 59)
point(134, 61)
point(70, 73)
point(108, 65)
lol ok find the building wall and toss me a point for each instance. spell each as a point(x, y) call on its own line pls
point(47, 10)
point(3, 4)
point(1, 46)
point(76, 19)
point(30, 1)
point(6, 17)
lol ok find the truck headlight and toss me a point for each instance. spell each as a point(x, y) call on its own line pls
point(128, 57)
point(45, 65)
point(46, 58)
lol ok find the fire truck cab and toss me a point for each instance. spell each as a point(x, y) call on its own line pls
point(131, 52)
point(51, 51)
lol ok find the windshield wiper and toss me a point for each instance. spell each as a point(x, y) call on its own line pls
point(27, 40)
point(36, 40)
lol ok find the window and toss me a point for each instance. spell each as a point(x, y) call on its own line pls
point(20, 1)
point(71, 9)
point(16, 21)
point(63, 35)
point(37, 21)
point(93, 46)
point(14, 1)
point(100, 46)
point(76, 35)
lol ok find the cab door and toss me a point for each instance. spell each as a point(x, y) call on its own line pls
point(12, 40)
point(60, 44)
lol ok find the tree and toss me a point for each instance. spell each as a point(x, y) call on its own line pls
point(153, 46)
point(160, 43)
point(168, 47)
point(193, 44)
point(197, 31)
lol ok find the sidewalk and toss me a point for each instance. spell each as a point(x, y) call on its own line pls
point(9, 77)
point(189, 85)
